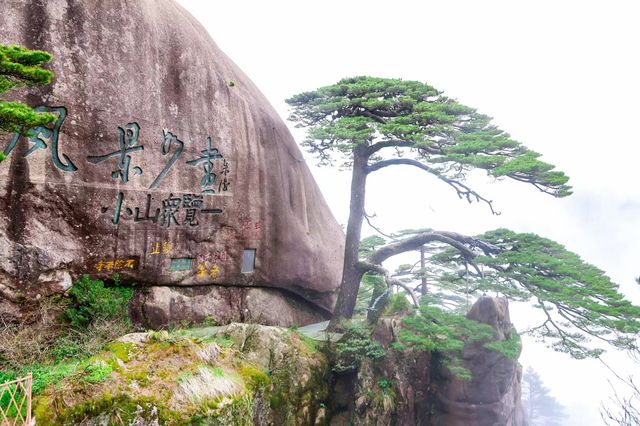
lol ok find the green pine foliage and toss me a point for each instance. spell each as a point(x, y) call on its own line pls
point(369, 244)
point(355, 346)
point(578, 302)
point(446, 334)
point(21, 67)
point(398, 303)
point(422, 124)
point(509, 347)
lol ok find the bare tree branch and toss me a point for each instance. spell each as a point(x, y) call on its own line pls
point(375, 228)
point(367, 266)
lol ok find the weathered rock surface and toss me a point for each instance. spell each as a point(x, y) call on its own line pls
point(165, 165)
point(157, 307)
point(493, 395)
point(409, 373)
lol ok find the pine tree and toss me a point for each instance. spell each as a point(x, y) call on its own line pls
point(21, 67)
point(368, 124)
point(372, 123)
point(541, 407)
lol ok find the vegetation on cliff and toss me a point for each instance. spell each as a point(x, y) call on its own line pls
point(218, 375)
point(21, 67)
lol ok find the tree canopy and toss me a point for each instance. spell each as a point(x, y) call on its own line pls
point(21, 67)
point(577, 300)
point(371, 123)
point(425, 128)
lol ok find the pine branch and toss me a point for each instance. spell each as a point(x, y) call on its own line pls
point(463, 191)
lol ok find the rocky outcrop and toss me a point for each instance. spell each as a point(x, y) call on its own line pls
point(166, 165)
point(409, 387)
point(492, 396)
point(255, 374)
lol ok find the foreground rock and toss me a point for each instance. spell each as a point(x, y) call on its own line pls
point(166, 165)
point(249, 374)
point(240, 374)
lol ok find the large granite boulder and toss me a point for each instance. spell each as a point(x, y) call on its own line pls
point(166, 165)
point(492, 396)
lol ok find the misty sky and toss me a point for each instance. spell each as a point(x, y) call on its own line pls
point(562, 77)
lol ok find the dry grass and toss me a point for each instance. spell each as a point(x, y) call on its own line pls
point(41, 338)
point(30, 340)
point(209, 354)
point(206, 384)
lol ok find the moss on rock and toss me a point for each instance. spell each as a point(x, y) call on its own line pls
point(268, 375)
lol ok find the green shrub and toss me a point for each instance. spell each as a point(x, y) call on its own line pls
point(356, 345)
point(67, 347)
point(97, 371)
point(43, 375)
point(384, 383)
point(508, 348)
point(398, 303)
point(92, 301)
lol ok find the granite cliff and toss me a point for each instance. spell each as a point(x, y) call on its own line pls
point(166, 166)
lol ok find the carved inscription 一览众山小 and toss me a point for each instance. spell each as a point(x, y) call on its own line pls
point(175, 210)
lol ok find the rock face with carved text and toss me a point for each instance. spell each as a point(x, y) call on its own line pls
point(166, 165)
